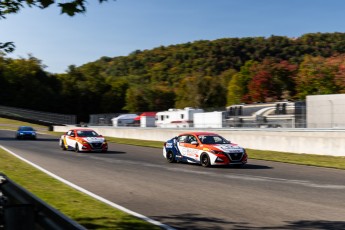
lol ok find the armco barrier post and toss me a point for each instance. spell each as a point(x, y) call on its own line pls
point(19, 217)
point(24, 211)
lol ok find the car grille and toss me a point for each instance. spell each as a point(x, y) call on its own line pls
point(27, 135)
point(96, 145)
point(235, 156)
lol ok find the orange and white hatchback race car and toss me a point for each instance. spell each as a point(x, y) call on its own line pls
point(204, 148)
point(83, 140)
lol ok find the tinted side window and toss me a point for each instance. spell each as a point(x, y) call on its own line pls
point(183, 139)
point(191, 139)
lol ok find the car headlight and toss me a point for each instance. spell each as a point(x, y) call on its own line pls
point(217, 152)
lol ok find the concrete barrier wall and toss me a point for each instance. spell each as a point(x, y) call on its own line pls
point(320, 142)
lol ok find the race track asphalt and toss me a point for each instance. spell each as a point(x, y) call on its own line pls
point(261, 195)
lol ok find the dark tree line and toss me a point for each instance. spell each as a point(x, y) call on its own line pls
point(205, 74)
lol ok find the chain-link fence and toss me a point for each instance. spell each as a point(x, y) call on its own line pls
point(259, 115)
point(37, 116)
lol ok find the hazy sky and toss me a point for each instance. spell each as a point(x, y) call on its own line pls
point(117, 28)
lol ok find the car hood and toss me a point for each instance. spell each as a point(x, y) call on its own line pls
point(93, 139)
point(228, 148)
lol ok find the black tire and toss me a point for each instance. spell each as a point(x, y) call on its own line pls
point(63, 147)
point(76, 148)
point(170, 157)
point(205, 160)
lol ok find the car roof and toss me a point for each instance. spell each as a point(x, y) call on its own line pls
point(200, 133)
point(24, 126)
point(82, 129)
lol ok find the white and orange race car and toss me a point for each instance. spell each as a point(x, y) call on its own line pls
point(83, 140)
point(204, 148)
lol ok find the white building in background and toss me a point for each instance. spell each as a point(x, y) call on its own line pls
point(214, 119)
point(177, 118)
point(326, 111)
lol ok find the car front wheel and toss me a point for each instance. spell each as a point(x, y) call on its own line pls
point(170, 157)
point(205, 160)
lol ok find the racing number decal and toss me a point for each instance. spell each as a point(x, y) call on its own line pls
point(192, 152)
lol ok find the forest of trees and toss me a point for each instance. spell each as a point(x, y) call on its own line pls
point(203, 74)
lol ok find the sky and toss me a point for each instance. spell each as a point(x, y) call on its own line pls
point(117, 28)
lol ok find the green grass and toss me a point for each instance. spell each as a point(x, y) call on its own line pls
point(94, 214)
point(78, 206)
point(14, 124)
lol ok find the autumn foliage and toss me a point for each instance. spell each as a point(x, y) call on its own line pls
point(204, 74)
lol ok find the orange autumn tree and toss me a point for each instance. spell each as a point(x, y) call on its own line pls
point(271, 80)
point(319, 75)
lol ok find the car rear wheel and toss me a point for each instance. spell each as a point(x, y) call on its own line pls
point(76, 149)
point(205, 160)
point(170, 157)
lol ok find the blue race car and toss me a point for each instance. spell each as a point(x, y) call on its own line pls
point(26, 132)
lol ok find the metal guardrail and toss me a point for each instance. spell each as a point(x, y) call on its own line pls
point(20, 209)
point(43, 117)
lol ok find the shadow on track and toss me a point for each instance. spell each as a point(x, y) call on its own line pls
point(301, 224)
point(234, 167)
point(193, 221)
point(102, 153)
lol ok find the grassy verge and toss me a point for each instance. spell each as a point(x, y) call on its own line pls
point(80, 207)
point(13, 125)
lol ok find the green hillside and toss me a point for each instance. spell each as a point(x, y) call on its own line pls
point(205, 74)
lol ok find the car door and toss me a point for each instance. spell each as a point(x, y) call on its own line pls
point(188, 150)
point(71, 138)
point(181, 142)
point(191, 148)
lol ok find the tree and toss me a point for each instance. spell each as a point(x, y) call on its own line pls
point(14, 6)
point(237, 87)
point(316, 75)
point(25, 84)
point(272, 80)
point(152, 97)
point(201, 92)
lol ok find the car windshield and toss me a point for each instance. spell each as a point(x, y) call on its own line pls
point(212, 139)
point(25, 129)
point(87, 133)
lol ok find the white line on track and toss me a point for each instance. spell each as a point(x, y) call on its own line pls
point(140, 216)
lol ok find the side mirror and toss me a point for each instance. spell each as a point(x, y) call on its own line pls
point(194, 143)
